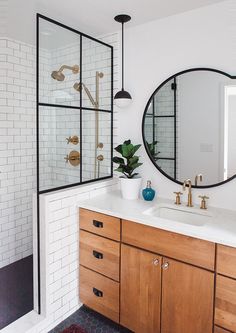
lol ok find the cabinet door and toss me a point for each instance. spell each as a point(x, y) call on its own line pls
point(187, 298)
point(140, 290)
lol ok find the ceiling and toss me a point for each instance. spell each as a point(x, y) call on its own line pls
point(94, 17)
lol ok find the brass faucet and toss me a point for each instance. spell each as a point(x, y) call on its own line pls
point(199, 176)
point(189, 183)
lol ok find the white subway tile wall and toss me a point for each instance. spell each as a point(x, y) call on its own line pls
point(17, 142)
point(17, 149)
point(62, 269)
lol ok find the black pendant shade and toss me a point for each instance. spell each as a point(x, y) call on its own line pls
point(122, 98)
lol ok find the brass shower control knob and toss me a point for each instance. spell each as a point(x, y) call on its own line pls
point(73, 139)
point(73, 158)
point(100, 158)
point(100, 145)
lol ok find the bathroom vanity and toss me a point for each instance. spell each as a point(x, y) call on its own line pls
point(151, 274)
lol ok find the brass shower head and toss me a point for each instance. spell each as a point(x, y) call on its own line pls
point(59, 76)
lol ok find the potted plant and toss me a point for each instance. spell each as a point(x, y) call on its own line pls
point(130, 181)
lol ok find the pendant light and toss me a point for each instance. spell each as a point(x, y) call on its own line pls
point(122, 98)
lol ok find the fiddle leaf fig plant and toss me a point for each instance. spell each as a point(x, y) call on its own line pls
point(129, 161)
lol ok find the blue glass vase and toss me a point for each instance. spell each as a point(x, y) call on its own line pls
point(148, 192)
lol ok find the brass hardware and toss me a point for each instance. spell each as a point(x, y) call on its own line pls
point(59, 76)
point(189, 183)
point(177, 199)
point(100, 145)
point(199, 176)
point(155, 262)
point(73, 139)
point(203, 201)
point(73, 158)
point(165, 266)
point(100, 158)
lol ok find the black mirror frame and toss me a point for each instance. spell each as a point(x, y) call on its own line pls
point(145, 112)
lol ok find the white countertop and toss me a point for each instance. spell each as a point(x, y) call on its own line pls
point(221, 228)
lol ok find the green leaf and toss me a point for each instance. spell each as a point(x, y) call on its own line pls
point(127, 150)
point(118, 160)
point(135, 166)
point(127, 142)
point(135, 148)
point(119, 149)
point(133, 160)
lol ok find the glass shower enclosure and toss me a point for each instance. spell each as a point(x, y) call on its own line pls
point(74, 107)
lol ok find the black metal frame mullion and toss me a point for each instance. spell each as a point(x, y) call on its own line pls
point(37, 165)
point(80, 111)
point(175, 128)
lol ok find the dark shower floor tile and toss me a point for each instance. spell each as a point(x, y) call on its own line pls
point(91, 321)
point(16, 290)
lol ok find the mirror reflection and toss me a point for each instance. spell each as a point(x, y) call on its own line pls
point(189, 127)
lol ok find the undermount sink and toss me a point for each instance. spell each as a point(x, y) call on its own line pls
point(187, 215)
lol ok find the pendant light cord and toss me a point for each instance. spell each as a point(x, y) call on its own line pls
point(122, 55)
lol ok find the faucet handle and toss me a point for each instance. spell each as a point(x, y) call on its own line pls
point(177, 199)
point(203, 201)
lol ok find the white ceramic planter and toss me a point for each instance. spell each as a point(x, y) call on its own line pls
point(130, 187)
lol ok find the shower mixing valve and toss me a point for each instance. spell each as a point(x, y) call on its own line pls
point(73, 139)
point(73, 158)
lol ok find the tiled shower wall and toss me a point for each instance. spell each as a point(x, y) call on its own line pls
point(62, 123)
point(17, 149)
point(17, 143)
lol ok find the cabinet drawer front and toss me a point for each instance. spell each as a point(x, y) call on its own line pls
point(220, 330)
point(100, 224)
point(100, 254)
point(225, 303)
point(99, 293)
point(190, 250)
point(226, 260)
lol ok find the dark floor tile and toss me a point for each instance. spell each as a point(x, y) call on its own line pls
point(91, 321)
point(16, 290)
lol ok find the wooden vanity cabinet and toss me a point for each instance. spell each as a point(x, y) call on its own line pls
point(148, 280)
point(164, 295)
point(225, 301)
point(140, 299)
point(187, 298)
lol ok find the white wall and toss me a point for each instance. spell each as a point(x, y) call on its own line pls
point(204, 37)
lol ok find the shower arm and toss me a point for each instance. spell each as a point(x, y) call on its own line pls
point(74, 69)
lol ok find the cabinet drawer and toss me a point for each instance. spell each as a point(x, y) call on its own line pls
point(99, 293)
point(225, 303)
point(100, 224)
point(190, 250)
point(220, 330)
point(226, 260)
point(100, 254)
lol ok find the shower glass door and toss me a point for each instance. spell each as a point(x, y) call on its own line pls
point(74, 107)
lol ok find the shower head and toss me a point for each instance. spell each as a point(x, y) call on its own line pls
point(59, 76)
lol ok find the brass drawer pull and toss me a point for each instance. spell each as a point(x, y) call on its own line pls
point(97, 292)
point(97, 255)
point(97, 224)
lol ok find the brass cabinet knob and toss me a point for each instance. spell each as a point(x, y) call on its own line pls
point(177, 199)
point(155, 262)
point(165, 266)
point(203, 201)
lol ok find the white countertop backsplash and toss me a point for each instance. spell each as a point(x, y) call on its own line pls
point(221, 228)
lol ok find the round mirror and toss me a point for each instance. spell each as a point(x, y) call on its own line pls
point(189, 127)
